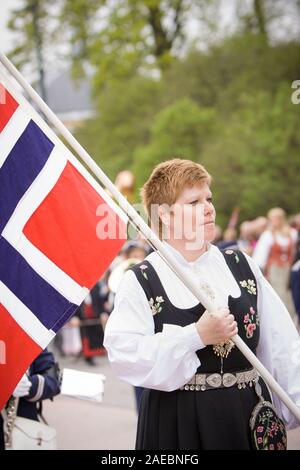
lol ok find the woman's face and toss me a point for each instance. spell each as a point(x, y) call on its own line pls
point(192, 217)
point(277, 219)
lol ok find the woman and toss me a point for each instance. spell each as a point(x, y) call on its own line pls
point(199, 389)
point(91, 328)
point(275, 252)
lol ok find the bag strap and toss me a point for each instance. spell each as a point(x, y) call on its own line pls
point(40, 412)
point(10, 414)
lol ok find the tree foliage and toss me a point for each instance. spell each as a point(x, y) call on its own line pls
point(122, 36)
point(31, 24)
point(180, 129)
point(227, 105)
point(256, 158)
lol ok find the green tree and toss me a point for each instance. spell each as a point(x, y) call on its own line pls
point(268, 17)
point(118, 38)
point(126, 110)
point(179, 130)
point(255, 160)
point(241, 64)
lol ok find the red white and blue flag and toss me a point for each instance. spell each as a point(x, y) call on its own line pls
point(51, 253)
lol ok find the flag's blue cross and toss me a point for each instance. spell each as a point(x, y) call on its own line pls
point(20, 169)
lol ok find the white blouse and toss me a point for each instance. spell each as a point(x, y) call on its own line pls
point(167, 360)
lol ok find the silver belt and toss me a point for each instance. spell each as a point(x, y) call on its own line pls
point(202, 382)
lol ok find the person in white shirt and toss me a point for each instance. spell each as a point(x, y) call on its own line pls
point(275, 252)
point(199, 388)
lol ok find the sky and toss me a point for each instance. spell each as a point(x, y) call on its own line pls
point(5, 36)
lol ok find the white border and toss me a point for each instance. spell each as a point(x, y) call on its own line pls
point(25, 318)
point(13, 232)
point(36, 193)
point(12, 132)
point(57, 142)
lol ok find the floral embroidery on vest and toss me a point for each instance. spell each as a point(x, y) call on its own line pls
point(249, 285)
point(142, 268)
point(251, 320)
point(156, 307)
point(236, 256)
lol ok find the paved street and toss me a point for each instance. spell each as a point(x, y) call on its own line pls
point(108, 425)
point(84, 425)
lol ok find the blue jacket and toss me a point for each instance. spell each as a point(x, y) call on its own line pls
point(295, 286)
point(45, 381)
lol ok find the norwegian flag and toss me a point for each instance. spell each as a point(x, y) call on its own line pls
point(55, 242)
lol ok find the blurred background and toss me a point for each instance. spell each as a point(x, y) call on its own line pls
point(139, 82)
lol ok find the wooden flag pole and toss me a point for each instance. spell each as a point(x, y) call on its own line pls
point(199, 291)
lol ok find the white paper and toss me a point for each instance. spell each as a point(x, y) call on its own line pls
point(84, 385)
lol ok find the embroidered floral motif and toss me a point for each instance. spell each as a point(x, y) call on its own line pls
point(251, 321)
point(236, 256)
point(249, 285)
point(270, 432)
point(142, 268)
point(280, 446)
point(156, 307)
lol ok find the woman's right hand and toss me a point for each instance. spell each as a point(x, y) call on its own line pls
point(216, 327)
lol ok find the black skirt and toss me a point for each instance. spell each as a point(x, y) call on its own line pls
point(194, 420)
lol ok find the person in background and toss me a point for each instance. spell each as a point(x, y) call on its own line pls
point(274, 253)
point(218, 235)
point(40, 382)
point(259, 225)
point(125, 183)
point(245, 241)
point(101, 299)
point(229, 241)
point(295, 283)
point(91, 329)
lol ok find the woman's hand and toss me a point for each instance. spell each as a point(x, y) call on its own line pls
point(216, 327)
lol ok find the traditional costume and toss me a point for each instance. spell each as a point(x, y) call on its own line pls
point(199, 397)
point(274, 253)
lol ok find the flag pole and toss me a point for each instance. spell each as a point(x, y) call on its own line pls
point(199, 291)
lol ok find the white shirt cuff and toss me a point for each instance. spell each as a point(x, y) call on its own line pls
point(193, 338)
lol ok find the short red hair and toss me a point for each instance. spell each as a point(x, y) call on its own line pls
point(167, 181)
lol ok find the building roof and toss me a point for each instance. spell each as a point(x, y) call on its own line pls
point(64, 95)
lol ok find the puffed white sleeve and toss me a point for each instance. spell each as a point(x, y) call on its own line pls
point(279, 345)
point(161, 361)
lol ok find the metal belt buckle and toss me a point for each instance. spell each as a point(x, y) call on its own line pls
point(229, 380)
point(214, 380)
